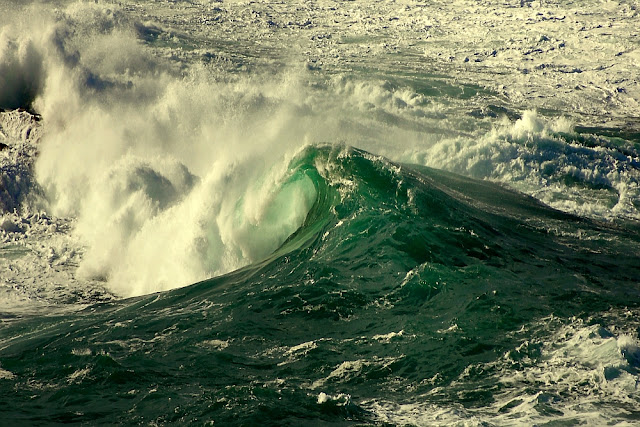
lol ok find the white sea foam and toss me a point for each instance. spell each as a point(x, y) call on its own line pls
point(578, 373)
point(340, 399)
point(78, 376)
point(172, 179)
point(546, 160)
point(6, 375)
point(171, 166)
point(215, 344)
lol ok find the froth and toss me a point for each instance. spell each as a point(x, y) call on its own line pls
point(547, 159)
point(575, 374)
point(177, 171)
point(173, 176)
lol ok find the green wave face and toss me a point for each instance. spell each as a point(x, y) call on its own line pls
point(404, 284)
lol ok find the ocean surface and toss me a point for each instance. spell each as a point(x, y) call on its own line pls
point(320, 213)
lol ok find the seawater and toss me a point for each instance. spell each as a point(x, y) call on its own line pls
point(397, 290)
point(252, 242)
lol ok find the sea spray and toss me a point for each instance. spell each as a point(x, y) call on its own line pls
point(182, 140)
point(143, 149)
point(21, 69)
point(171, 178)
point(408, 295)
point(547, 159)
point(160, 165)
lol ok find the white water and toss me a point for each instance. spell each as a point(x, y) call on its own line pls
point(163, 163)
point(172, 178)
point(168, 130)
point(576, 374)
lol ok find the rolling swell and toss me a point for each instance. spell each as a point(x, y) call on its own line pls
point(404, 284)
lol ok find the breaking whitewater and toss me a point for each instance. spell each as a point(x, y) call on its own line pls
point(330, 212)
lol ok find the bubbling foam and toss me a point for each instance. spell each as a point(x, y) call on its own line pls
point(172, 178)
point(177, 171)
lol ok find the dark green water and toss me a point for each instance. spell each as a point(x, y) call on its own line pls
point(404, 286)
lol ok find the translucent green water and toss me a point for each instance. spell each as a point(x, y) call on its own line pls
point(405, 284)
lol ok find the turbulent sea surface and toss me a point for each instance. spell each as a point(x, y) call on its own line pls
point(330, 212)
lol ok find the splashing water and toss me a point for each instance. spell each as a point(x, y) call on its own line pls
point(472, 261)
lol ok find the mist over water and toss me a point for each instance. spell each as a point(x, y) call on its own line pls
point(171, 171)
point(172, 174)
point(374, 231)
point(173, 165)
